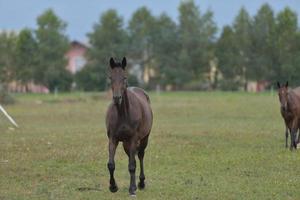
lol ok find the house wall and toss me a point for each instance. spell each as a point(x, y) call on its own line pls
point(76, 58)
point(76, 61)
point(30, 87)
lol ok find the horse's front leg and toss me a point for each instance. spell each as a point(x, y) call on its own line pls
point(293, 139)
point(293, 132)
point(132, 167)
point(111, 164)
point(141, 153)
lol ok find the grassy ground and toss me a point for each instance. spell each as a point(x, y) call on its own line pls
point(203, 146)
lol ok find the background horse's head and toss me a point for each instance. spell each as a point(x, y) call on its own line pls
point(118, 79)
point(283, 95)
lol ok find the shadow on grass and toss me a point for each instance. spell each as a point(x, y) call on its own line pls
point(85, 189)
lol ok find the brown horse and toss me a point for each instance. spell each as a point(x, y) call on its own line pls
point(290, 112)
point(129, 120)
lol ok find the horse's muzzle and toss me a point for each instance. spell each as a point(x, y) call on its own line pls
point(284, 108)
point(117, 100)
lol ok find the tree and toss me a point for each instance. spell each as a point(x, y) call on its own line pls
point(108, 39)
point(242, 28)
point(52, 46)
point(141, 31)
point(226, 51)
point(7, 56)
point(165, 51)
point(7, 50)
point(7, 65)
point(196, 35)
point(263, 44)
point(287, 47)
point(26, 60)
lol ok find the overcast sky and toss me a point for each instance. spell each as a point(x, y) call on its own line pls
point(80, 15)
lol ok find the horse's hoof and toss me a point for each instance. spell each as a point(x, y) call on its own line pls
point(292, 148)
point(133, 195)
point(132, 192)
point(141, 185)
point(113, 189)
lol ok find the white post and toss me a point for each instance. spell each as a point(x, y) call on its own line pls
point(8, 117)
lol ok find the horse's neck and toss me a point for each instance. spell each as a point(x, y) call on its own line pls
point(291, 98)
point(123, 109)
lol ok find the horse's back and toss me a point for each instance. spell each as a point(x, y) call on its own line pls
point(296, 95)
point(294, 101)
point(140, 93)
point(144, 100)
point(296, 91)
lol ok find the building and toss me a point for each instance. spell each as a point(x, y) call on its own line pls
point(76, 56)
point(257, 86)
point(76, 60)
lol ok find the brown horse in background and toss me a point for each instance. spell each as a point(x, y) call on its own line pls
point(129, 120)
point(290, 111)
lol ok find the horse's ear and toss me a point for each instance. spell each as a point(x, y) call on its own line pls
point(278, 84)
point(287, 84)
point(112, 63)
point(124, 63)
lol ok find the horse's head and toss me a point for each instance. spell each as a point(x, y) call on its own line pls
point(283, 95)
point(118, 79)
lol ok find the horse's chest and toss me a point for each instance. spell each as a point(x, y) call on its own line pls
point(286, 114)
point(125, 131)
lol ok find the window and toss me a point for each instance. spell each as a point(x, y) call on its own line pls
point(79, 63)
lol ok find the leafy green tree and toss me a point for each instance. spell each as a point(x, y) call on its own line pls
point(7, 57)
point(52, 46)
point(242, 28)
point(287, 47)
point(141, 36)
point(196, 36)
point(189, 35)
point(7, 65)
point(26, 60)
point(165, 51)
point(226, 51)
point(263, 44)
point(108, 39)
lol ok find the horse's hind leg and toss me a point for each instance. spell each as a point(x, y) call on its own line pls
point(111, 164)
point(141, 153)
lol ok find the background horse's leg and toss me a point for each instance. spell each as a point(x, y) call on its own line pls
point(141, 153)
point(111, 164)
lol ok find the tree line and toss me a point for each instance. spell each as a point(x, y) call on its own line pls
point(36, 55)
point(188, 54)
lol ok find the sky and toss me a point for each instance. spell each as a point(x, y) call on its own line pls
point(81, 15)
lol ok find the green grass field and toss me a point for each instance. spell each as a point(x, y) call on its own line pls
point(203, 146)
